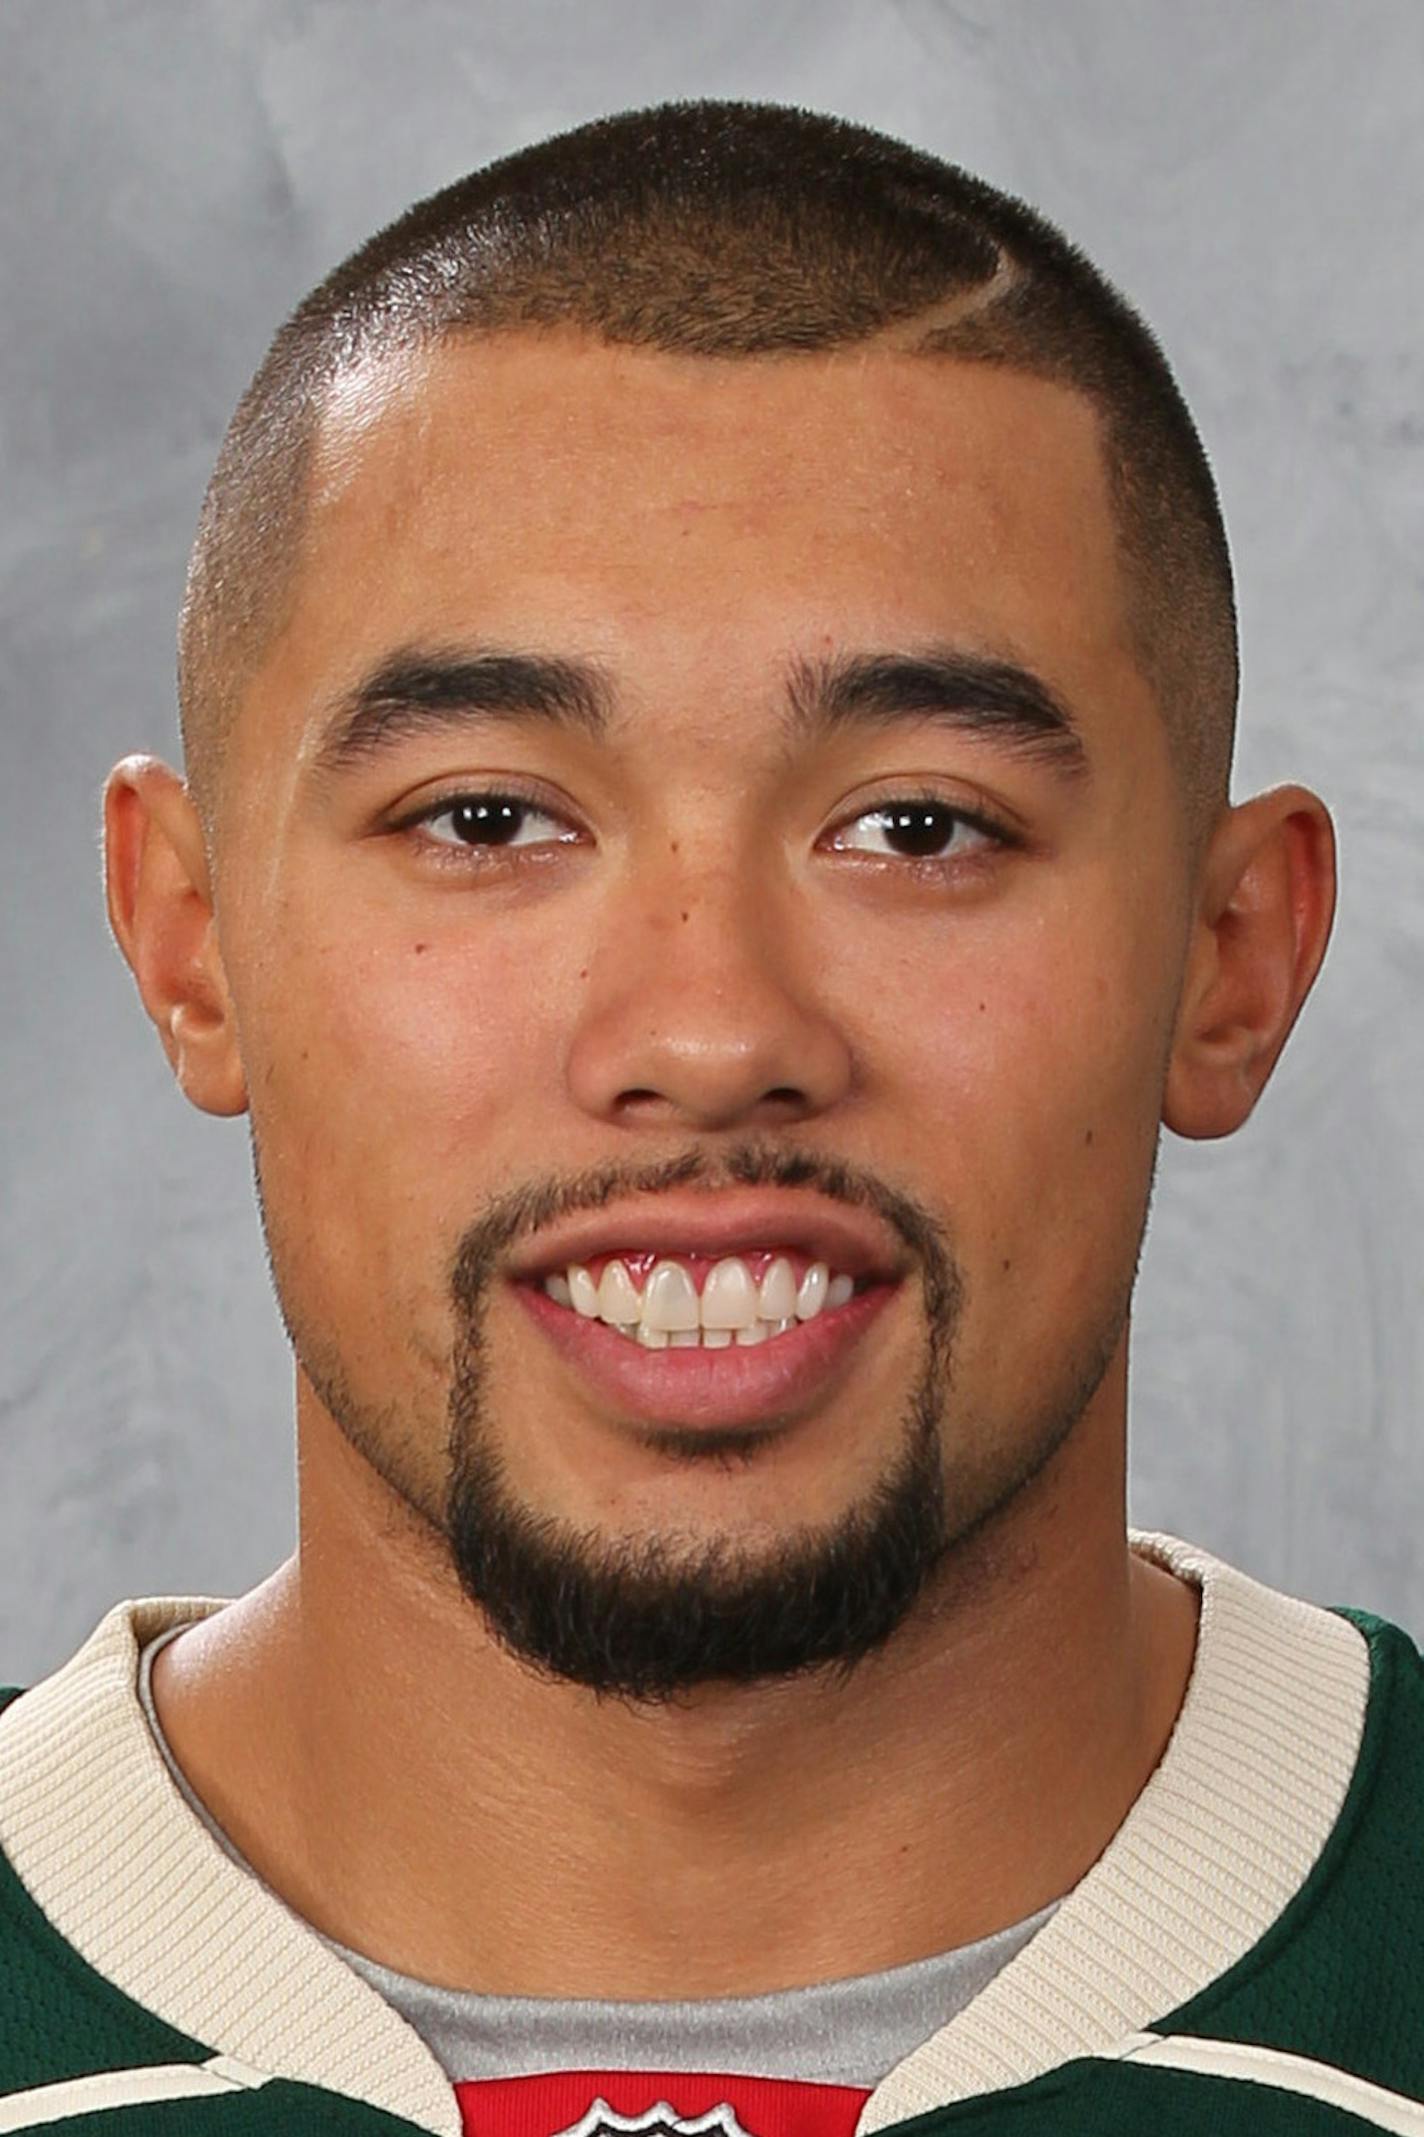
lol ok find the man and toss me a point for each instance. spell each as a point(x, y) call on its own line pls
point(708, 681)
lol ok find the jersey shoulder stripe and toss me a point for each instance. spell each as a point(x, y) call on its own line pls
point(1300, 2075)
point(145, 2086)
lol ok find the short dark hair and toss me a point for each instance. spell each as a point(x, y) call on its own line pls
point(731, 230)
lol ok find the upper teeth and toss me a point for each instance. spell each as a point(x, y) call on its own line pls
point(731, 1305)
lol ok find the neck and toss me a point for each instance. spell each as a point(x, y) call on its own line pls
point(421, 1796)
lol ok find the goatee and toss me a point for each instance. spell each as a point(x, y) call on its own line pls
point(645, 1619)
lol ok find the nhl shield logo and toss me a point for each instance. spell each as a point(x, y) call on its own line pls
point(601, 2120)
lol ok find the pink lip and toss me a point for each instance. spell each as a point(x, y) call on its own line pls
point(730, 1221)
point(711, 1389)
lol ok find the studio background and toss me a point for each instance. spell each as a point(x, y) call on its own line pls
point(174, 174)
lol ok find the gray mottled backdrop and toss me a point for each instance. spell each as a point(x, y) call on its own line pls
point(175, 173)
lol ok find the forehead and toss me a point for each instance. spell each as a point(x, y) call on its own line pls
point(656, 511)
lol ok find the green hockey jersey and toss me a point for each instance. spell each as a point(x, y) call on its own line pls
point(1245, 1956)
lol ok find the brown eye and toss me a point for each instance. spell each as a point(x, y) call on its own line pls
point(915, 830)
point(479, 822)
point(493, 822)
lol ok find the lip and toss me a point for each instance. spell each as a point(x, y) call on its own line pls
point(723, 1222)
point(709, 1389)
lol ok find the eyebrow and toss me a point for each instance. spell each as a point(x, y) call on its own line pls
point(419, 692)
point(1000, 700)
point(428, 691)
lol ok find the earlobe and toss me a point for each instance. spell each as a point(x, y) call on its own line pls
point(161, 912)
point(1263, 919)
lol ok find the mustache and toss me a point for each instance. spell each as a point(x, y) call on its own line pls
point(511, 1217)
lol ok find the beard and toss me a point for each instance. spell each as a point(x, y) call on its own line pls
point(649, 1618)
point(645, 1619)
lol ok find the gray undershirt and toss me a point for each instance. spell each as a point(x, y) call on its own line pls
point(848, 2032)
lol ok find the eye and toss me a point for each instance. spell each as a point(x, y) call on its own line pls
point(479, 822)
point(921, 827)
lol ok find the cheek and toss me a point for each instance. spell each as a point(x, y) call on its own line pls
point(1030, 1070)
point(413, 1043)
point(388, 1075)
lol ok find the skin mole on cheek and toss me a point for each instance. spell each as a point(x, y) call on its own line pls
point(421, 948)
point(1088, 1137)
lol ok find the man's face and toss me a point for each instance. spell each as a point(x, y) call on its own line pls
point(519, 991)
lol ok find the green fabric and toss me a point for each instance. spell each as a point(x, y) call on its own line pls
point(1337, 1979)
point(58, 2017)
point(1339, 1976)
point(274, 2110)
point(61, 2019)
point(1118, 2100)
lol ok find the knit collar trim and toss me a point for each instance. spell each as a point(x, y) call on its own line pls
point(1223, 1836)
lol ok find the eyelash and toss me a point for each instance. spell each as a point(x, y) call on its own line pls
point(448, 854)
point(475, 856)
point(1001, 838)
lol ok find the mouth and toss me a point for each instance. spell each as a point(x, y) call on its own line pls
point(707, 1334)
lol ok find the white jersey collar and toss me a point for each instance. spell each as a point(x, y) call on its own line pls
point(1223, 1836)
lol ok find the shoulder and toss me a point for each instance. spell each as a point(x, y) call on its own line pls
point(1376, 1854)
point(1337, 1979)
point(64, 1786)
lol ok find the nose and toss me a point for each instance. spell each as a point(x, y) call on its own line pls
point(705, 1008)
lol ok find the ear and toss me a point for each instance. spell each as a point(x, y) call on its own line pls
point(1265, 906)
point(161, 912)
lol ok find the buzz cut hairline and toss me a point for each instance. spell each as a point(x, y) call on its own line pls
point(729, 230)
